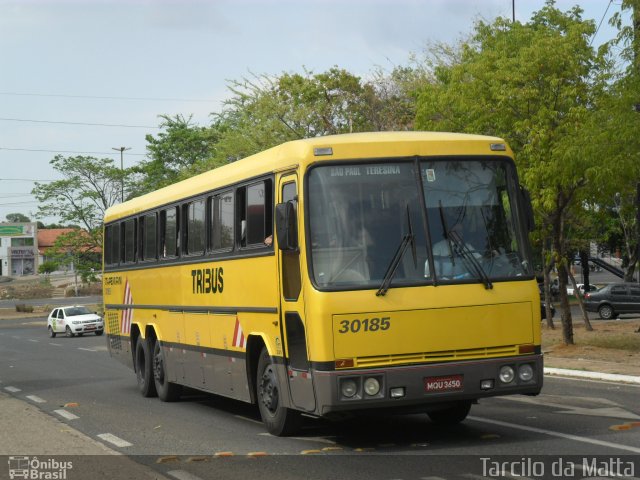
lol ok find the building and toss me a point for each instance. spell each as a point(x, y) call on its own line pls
point(46, 239)
point(18, 249)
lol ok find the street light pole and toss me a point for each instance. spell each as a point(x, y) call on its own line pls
point(121, 150)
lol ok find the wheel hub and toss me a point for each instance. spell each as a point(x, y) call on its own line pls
point(269, 390)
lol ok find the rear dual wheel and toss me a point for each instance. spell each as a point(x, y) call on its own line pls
point(167, 391)
point(144, 370)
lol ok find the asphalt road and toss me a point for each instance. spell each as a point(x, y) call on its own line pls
point(74, 380)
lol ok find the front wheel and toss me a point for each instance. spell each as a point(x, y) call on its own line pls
point(144, 371)
point(451, 415)
point(279, 420)
point(68, 332)
point(167, 391)
point(99, 332)
point(605, 312)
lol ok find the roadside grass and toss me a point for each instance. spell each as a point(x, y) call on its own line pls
point(618, 342)
point(611, 341)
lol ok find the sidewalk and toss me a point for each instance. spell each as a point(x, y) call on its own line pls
point(591, 369)
point(27, 431)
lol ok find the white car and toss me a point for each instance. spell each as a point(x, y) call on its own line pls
point(74, 320)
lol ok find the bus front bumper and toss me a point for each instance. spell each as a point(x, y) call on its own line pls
point(426, 386)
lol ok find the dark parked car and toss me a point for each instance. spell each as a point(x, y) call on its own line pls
point(613, 300)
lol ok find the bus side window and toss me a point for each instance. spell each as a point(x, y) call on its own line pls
point(255, 213)
point(129, 233)
point(194, 227)
point(108, 245)
point(222, 222)
point(150, 233)
point(169, 232)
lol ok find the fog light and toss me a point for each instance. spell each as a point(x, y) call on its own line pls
point(396, 392)
point(507, 374)
point(486, 384)
point(349, 388)
point(525, 372)
point(371, 387)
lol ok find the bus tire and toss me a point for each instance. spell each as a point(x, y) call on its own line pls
point(452, 415)
point(279, 420)
point(167, 391)
point(144, 370)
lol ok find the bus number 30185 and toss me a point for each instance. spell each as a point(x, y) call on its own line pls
point(365, 325)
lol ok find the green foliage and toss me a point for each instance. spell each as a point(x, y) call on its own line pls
point(80, 248)
point(89, 186)
point(264, 111)
point(178, 149)
point(536, 85)
point(48, 267)
point(17, 218)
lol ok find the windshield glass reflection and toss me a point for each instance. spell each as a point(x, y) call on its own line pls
point(360, 213)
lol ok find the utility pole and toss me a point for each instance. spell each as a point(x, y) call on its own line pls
point(121, 150)
point(513, 11)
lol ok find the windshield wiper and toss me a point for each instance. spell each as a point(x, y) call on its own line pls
point(469, 258)
point(445, 229)
point(408, 239)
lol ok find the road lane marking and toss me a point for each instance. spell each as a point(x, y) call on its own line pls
point(34, 341)
point(55, 344)
point(12, 389)
point(35, 398)
point(611, 410)
point(183, 475)
point(118, 442)
point(67, 415)
point(552, 433)
point(591, 380)
point(248, 419)
point(86, 349)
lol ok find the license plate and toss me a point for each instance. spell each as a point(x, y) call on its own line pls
point(446, 383)
point(89, 328)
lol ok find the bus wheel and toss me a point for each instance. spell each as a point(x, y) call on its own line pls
point(450, 415)
point(279, 420)
point(167, 391)
point(144, 371)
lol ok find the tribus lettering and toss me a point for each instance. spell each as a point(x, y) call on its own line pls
point(207, 280)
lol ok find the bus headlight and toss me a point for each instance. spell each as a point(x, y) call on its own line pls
point(507, 374)
point(525, 372)
point(348, 388)
point(371, 386)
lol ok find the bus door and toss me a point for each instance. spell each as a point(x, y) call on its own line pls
point(293, 327)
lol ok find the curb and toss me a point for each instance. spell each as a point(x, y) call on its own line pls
point(609, 377)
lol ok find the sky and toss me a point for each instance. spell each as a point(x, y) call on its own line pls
point(87, 76)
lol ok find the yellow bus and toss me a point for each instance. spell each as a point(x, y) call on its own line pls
point(370, 272)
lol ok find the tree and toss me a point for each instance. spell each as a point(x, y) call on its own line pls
point(176, 152)
point(47, 267)
point(536, 85)
point(79, 248)
point(17, 218)
point(89, 186)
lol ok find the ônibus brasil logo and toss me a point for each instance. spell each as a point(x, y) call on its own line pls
point(33, 468)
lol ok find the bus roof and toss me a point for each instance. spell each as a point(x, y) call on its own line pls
point(301, 153)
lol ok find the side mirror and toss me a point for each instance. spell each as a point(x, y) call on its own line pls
point(287, 226)
point(528, 209)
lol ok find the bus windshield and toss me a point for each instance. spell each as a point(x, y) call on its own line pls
point(360, 213)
